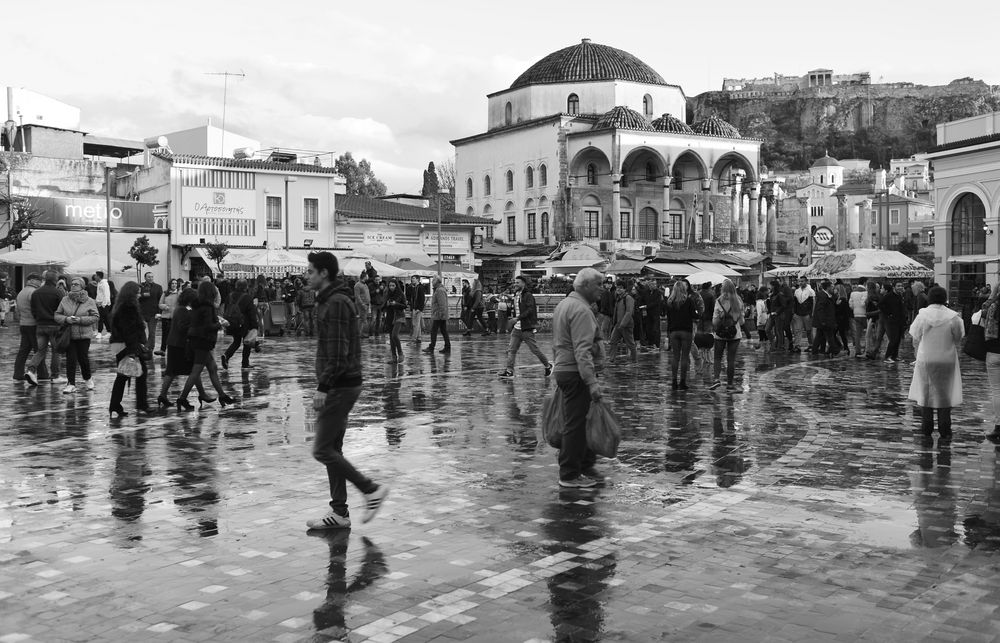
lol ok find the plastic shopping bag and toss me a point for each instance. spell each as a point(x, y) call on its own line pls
point(552, 419)
point(603, 432)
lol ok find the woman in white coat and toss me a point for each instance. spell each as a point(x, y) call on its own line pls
point(937, 335)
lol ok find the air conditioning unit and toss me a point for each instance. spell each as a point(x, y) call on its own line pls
point(649, 251)
point(607, 246)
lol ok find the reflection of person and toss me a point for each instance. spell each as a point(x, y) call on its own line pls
point(394, 430)
point(727, 460)
point(192, 471)
point(683, 444)
point(329, 617)
point(130, 481)
point(934, 499)
point(937, 333)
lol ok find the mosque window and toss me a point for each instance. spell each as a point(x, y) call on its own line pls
point(510, 181)
point(545, 224)
point(487, 185)
point(968, 235)
point(511, 229)
point(468, 188)
point(650, 172)
point(508, 114)
point(543, 175)
point(591, 174)
point(821, 179)
point(573, 105)
point(529, 177)
point(647, 105)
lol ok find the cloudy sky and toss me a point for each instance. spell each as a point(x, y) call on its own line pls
point(394, 81)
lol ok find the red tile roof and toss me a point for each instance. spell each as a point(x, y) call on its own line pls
point(362, 207)
point(249, 164)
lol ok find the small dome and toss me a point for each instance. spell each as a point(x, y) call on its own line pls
point(672, 124)
point(715, 126)
point(588, 61)
point(826, 161)
point(622, 118)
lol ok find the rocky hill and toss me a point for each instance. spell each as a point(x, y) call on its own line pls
point(876, 122)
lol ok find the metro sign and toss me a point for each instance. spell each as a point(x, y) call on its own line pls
point(823, 236)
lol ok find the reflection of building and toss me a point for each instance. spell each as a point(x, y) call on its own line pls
point(966, 167)
point(583, 146)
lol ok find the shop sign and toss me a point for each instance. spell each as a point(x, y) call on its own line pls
point(379, 238)
point(477, 242)
point(216, 203)
point(449, 240)
point(92, 213)
point(823, 236)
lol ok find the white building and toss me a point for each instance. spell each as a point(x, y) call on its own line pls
point(208, 140)
point(591, 144)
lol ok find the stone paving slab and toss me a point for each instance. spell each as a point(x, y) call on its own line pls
point(798, 506)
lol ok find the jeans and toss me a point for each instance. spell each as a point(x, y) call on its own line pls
point(518, 336)
point(239, 334)
point(574, 454)
point(309, 319)
point(46, 339)
point(680, 353)
point(103, 319)
point(29, 343)
point(78, 353)
point(652, 330)
point(394, 344)
point(876, 330)
point(804, 324)
point(927, 421)
point(993, 374)
point(150, 334)
point(364, 321)
point(328, 448)
point(118, 390)
point(164, 332)
point(417, 321)
point(860, 325)
point(826, 341)
point(618, 335)
point(727, 346)
point(895, 332)
point(439, 325)
point(604, 323)
point(378, 317)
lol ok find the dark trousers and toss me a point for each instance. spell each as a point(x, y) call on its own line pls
point(680, 353)
point(378, 318)
point(826, 341)
point(729, 347)
point(927, 421)
point(895, 332)
point(78, 353)
point(653, 330)
point(239, 334)
point(574, 454)
point(442, 325)
point(164, 332)
point(328, 448)
point(118, 390)
point(29, 344)
point(103, 319)
point(150, 333)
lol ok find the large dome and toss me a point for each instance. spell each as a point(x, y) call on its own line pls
point(588, 61)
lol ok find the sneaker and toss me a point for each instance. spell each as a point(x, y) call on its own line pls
point(579, 482)
point(716, 384)
point(889, 360)
point(592, 473)
point(90, 384)
point(548, 370)
point(373, 502)
point(159, 352)
point(506, 373)
point(60, 380)
point(31, 377)
point(70, 388)
point(331, 520)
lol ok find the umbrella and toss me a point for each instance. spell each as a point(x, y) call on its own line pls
point(414, 269)
point(871, 263)
point(26, 257)
point(92, 262)
point(699, 278)
point(354, 264)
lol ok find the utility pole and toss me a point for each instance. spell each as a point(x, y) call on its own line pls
point(225, 96)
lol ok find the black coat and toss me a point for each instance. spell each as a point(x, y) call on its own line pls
point(129, 328)
point(204, 330)
point(892, 309)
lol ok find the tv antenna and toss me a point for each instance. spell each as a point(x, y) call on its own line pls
point(225, 95)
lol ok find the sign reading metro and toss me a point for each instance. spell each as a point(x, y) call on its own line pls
point(92, 213)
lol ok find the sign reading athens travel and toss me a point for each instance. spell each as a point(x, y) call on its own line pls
point(215, 203)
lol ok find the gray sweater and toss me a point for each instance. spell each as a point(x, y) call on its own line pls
point(575, 338)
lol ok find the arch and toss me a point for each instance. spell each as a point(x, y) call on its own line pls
point(572, 104)
point(677, 204)
point(968, 225)
point(591, 200)
point(626, 204)
point(510, 181)
point(509, 208)
point(468, 188)
point(543, 202)
point(591, 174)
point(470, 211)
point(487, 210)
point(508, 114)
point(543, 175)
point(590, 156)
point(647, 224)
point(529, 177)
point(947, 204)
point(647, 106)
point(642, 159)
point(487, 185)
point(529, 204)
point(734, 159)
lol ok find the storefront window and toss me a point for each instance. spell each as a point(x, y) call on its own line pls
point(967, 222)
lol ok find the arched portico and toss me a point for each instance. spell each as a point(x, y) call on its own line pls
point(690, 174)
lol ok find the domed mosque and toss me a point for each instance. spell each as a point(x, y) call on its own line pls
point(591, 144)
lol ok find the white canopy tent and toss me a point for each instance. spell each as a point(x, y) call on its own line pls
point(92, 262)
point(271, 262)
point(25, 257)
point(699, 278)
point(870, 263)
point(353, 264)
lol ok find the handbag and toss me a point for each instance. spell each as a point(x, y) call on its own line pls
point(704, 340)
point(65, 336)
point(975, 343)
point(251, 337)
point(129, 366)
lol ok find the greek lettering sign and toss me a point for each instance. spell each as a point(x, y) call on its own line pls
point(379, 237)
point(823, 236)
point(92, 213)
point(216, 203)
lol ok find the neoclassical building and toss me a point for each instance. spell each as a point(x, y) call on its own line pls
point(591, 144)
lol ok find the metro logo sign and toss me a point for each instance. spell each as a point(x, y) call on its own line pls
point(823, 236)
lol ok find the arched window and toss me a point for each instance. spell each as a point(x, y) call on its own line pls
point(510, 181)
point(967, 222)
point(470, 211)
point(545, 224)
point(591, 174)
point(488, 214)
point(468, 188)
point(647, 105)
point(529, 177)
point(543, 175)
point(573, 105)
point(487, 185)
point(508, 114)
point(650, 172)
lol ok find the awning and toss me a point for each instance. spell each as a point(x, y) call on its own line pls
point(717, 268)
point(973, 259)
point(395, 252)
point(673, 269)
point(571, 263)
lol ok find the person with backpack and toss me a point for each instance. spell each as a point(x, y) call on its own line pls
point(242, 317)
point(727, 319)
point(306, 301)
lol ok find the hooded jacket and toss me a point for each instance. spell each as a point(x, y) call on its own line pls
point(338, 344)
point(937, 335)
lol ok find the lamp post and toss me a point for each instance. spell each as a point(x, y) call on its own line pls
point(441, 194)
point(288, 179)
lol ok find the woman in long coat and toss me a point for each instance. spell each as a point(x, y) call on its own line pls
point(937, 381)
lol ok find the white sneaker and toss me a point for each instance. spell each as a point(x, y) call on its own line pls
point(331, 520)
point(373, 502)
point(60, 380)
point(69, 389)
point(90, 384)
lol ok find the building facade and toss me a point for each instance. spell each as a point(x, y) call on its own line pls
point(590, 144)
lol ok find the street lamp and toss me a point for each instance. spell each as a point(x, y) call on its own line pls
point(288, 179)
point(441, 194)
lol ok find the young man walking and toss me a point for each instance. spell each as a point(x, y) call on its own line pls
point(416, 300)
point(439, 317)
point(44, 303)
point(526, 316)
point(338, 385)
point(103, 299)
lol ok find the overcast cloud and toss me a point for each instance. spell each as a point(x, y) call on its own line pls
point(395, 81)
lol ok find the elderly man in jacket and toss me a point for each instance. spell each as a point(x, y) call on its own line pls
point(526, 320)
point(577, 348)
point(439, 316)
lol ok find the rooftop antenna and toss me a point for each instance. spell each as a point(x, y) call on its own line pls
point(225, 93)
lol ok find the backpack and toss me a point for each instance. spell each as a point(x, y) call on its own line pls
point(727, 326)
point(233, 314)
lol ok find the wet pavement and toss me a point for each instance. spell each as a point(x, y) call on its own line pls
point(801, 504)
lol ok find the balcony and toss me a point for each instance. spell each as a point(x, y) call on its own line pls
point(217, 227)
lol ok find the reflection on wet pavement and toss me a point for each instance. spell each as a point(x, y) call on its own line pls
point(799, 504)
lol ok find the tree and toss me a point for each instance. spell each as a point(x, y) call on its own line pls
point(217, 252)
point(361, 180)
point(446, 174)
point(907, 247)
point(18, 219)
point(431, 186)
point(144, 254)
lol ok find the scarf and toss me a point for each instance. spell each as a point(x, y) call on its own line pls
point(78, 297)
